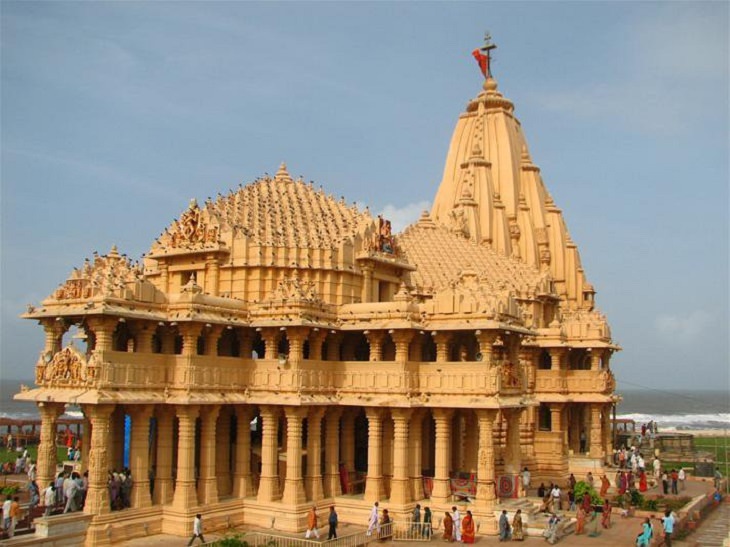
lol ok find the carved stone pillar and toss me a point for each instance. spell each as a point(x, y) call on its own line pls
point(294, 492)
point(97, 496)
point(143, 332)
point(313, 478)
point(53, 335)
point(190, 333)
point(512, 460)
point(485, 471)
point(207, 484)
point(296, 337)
point(442, 340)
point(223, 457)
point(245, 343)
point(556, 420)
point(46, 464)
point(242, 481)
point(139, 455)
point(596, 355)
point(316, 340)
point(212, 335)
point(185, 495)
point(367, 285)
point(374, 488)
point(594, 449)
point(103, 328)
point(271, 338)
point(332, 485)
point(86, 426)
point(163, 473)
point(606, 443)
point(400, 491)
point(167, 340)
point(441, 487)
point(557, 355)
point(486, 341)
point(269, 481)
point(402, 340)
point(375, 340)
point(212, 274)
point(333, 346)
point(415, 444)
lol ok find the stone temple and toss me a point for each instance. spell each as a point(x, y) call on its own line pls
point(277, 349)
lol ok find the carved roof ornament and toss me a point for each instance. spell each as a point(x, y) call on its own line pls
point(293, 288)
point(67, 367)
point(192, 230)
point(383, 241)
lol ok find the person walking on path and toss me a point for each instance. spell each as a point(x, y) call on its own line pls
point(416, 520)
point(456, 516)
point(373, 520)
point(312, 523)
point(668, 525)
point(448, 527)
point(504, 528)
point(644, 538)
point(332, 521)
point(681, 476)
point(525, 481)
point(14, 515)
point(197, 530)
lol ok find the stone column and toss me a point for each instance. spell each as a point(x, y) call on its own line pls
point(374, 488)
point(512, 461)
point(190, 333)
point(269, 481)
point(441, 486)
point(296, 337)
point(185, 495)
point(556, 358)
point(139, 455)
point(375, 340)
point(212, 335)
point(46, 464)
point(442, 340)
point(486, 496)
point(606, 443)
point(415, 446)
point(316, 340)
point(103, 328)
point(367, 285)
point(54, 331)
point(163, 473)
point(556, 421)
point(400, 491)
point(245, 343)
point(271, 338)
point(333, 346)
point(84, 446)
point(143, 332)
point(97, 496)
point(486, 345)
point(167, 340)
point(294, 492)
point(212, 274)
point(313, 481)
point(223, 475)
point(594, 448)
point(596, 359)
point(208, 484)
point(332, 483)
point(402, 340)
point(242, 481)
point(347, 445)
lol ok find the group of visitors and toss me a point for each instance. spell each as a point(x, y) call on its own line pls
point(120, 489)
point(11, 515)
point(68, 492)
point(515, 531)
point(645, 537)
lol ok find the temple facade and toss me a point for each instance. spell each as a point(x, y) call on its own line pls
point(277, 348)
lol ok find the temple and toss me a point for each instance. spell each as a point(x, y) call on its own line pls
point(277, 348)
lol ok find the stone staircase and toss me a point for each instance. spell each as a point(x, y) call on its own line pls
point(534, 522)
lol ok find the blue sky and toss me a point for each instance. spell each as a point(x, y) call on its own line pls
point(115, 114)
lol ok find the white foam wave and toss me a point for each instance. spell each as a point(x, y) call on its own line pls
point(682, 421)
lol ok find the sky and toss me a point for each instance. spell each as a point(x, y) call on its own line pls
point(114, 115)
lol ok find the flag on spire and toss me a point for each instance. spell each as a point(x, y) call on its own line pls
point(482, 60)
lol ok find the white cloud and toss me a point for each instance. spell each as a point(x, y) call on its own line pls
point(400, 217)
point(682, 330)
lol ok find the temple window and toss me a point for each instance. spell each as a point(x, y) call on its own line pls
point(545, 362)
point(544, 418)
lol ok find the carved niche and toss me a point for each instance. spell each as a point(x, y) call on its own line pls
point(68, 367)
point(192, 229)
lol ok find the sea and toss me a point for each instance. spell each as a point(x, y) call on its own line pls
point(672, 409)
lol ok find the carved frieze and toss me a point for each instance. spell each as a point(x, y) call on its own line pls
point(68, 367)
point(192, 230)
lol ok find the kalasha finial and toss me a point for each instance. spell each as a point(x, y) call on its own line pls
point(483, 55)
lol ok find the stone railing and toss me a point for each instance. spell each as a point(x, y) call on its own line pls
point(574, 381)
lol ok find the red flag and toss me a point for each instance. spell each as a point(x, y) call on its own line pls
point(482, 59)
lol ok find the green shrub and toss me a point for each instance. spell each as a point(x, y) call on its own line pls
point(581, 487)
point(232, 541)
point(650, 505)
point(637, 499)
point(9, 490)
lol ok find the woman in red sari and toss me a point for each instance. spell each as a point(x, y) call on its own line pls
point(606, 515)
point(467, 528)
point(642, 482)
point(448, 527)
point(605, 484)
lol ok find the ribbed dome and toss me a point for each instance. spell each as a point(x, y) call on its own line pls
point(270, 212)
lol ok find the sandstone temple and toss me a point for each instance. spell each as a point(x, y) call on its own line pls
point(277, 348)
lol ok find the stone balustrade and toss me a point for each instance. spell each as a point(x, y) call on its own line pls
point(574, 381)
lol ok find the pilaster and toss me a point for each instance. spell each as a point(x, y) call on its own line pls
point(512, 460)
point(486, 496)
point(242, 481)
point(374, 488)
point(163, 490)
point(313, 480)
point(441, 487)
point(139, 455)
point(400, 492)
point(46, 464)
point(207, 483)
point(415, 445)
point(269, 481)
point(294, 492)
point(332, 483)
point(97, 496)
point(185, 495)
point(594, 449)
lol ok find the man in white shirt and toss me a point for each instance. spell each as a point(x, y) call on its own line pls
point(373, 520)
point(49, 499)
point(457, 522)
point(197, 530)
point(6, 513)
point(525, 480)
point(555, 493)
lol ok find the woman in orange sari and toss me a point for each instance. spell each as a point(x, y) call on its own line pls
point(448, 527)
point(580, 521)
point(605, 484)
point(606, 515)
point(467, 528)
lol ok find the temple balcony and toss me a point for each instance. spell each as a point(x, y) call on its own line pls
point(574, 382)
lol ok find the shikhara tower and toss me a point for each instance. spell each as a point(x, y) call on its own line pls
point(376, 366)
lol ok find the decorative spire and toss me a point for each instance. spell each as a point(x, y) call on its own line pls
point(282, 174)
point(483, 56)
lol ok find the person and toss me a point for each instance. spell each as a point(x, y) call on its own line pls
point(197, 530)
point(504, 528)
point(427, 523)
point(665, 483)
point(555, 493)
point(589, 479)
point(456, 516)
point(32, 471)
point(332, 521)
point(551, 530)
point(518, 533)
point(572, 481)
point(605, 485)
point(582, 440)
point(34, 494)
point(49, 499)
point(643, 486)
point(644, 538)
point(587, 503)
point(14, 515)
point(571, 500)
point(416, 519)
point(71, 490)
point(681, 476)
point(668, 525)
point(312, 523)
point(373, 523)
point(386, 528)
point(448, 527)
point(525, 480)
point(606, 515)
point(541, 490)
point(718, 478)
point(657, 464)
point(467, 528)
point(6, 513)
point(580, 520)
point(675, 479)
